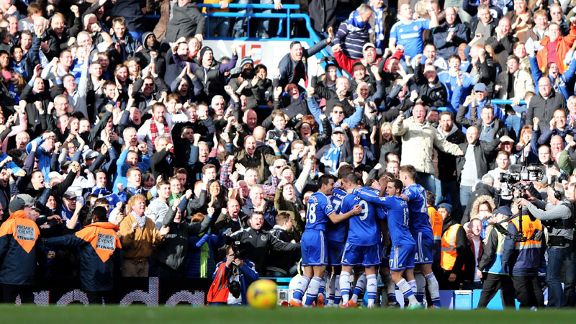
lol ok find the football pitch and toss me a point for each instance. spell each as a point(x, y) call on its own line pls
point(182, 314)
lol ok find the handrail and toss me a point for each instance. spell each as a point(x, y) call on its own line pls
point(441, 109)
point(505, 101)
point(493, 101)
point(249, 6)
point(224, 14)
point(249, 14)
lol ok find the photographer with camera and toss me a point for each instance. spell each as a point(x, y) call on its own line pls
point(258, 243)
point(556, 216)
point(232, 278)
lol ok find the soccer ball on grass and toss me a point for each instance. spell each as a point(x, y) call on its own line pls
point(262, 294)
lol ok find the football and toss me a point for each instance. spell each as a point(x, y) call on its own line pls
point(262, 294)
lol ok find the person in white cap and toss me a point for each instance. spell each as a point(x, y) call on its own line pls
point(369, 57)
point(430, 90)
point(507, 145)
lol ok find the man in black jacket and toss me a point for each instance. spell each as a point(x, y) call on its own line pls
point(185, 21)
point(292, 67)
point(283, 264)
point(447, 162)
point(544, 103)
point(430, 90)
point(259, 243)
point(471, 166)
point(168, 258)
point(449, 35)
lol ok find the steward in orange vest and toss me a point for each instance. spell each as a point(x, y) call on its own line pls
point(437, 222)
point(18, 244)
point(453, 249)
point(99, 249)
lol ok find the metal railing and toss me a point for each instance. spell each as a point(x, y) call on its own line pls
point(493, 101)
point(284, 26)
point(246, 12)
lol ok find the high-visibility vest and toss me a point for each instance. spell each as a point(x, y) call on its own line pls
point(218, 292)
point(529, 227)
point(103, 237)
point(24, 230)
point(448, 254)
point(436, 222)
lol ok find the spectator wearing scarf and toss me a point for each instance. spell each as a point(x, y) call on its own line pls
point(355, 32)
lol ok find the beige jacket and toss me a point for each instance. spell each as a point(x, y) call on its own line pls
point(418, 143)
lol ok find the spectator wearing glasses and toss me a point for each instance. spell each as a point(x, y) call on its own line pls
point(471, 111)
point(337, 115)
point(557, 17)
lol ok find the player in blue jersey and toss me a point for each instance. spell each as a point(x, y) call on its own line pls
point(336, 239)
point(421, 232)
point(403, 244)
point(313, 245)
point(363, 245)
point(408, 32)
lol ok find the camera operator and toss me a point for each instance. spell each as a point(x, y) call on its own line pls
point(232, 278)
point(259, 242)
point(493, 274)
point(522, 257)
point(556, 215)
point(570, 279)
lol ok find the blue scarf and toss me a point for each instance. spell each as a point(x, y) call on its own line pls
point(331, 158)
point(355, 23)
point(378, 17)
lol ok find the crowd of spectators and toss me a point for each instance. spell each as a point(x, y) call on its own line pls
point(187, 152)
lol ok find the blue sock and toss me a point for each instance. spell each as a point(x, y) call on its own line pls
point(301, 286)
point(312, 292)
point(338, 299)
point(371, 288)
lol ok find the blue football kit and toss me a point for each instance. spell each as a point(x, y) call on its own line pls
point(397, 217)
point(420, 223)
point(336, 233)
point(313, 242)
point(363, 245)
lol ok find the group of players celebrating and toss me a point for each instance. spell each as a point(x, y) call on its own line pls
point(346, 226)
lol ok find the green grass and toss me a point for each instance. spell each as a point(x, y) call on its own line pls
point(181, 314)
